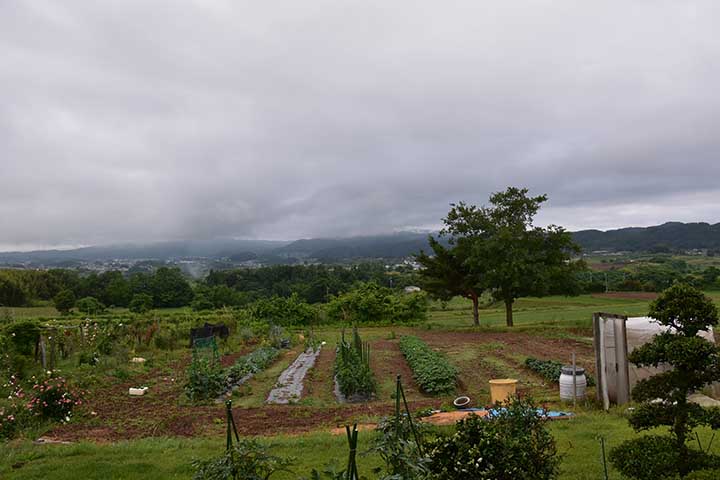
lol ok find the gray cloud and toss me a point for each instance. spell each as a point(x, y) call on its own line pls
point(139, 120)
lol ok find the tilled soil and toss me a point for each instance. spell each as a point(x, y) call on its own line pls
point(110, 414)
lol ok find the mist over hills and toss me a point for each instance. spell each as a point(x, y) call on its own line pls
point(672, 235)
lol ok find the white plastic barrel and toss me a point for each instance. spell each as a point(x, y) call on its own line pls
point(566, 383)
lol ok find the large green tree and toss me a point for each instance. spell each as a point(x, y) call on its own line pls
point(497, 248)
point(170, 288)
point(519, 259)
point(11, 293)
point(446, 274)
point(64, 301)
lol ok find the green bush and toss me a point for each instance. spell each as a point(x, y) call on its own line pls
point(24, 336)
point(371, 303)
point(705, 474)
point(514, 445)
point(141, 303)
point(64, 301)
point(550, 370)
point(289, 311)
point(90, 306)
point(654, 457)
point(431, 370)
point(53, 398)
point(201, 302)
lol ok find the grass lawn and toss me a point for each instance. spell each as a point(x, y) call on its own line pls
point(163, 458)
point(555, 311)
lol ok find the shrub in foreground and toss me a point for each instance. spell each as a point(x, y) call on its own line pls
point(514, 445)
point(654, 457)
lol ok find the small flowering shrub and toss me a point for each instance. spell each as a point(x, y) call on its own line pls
point(13, 412)
point(8, 423)
point(52, 398)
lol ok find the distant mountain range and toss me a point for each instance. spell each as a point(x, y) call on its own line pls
point(669, 236)
point(396, 245)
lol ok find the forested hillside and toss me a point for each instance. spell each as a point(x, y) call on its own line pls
point(661, 238)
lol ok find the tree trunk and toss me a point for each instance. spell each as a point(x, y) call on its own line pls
point(680, 430)
point(509, 312)
point(476, 312)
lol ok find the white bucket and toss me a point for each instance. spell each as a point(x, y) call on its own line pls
point(566, 383)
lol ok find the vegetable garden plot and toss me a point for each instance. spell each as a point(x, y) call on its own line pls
point(289, 386)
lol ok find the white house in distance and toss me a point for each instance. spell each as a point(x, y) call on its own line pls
point(412, 289)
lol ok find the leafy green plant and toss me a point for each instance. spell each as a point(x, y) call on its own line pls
point(251, 363)
point(397, 446)
point(513, 445)
point(352, 367)
point(653, 457)
point(550, 370)
point(431, 370)
point(248, 459)
point(205, 378)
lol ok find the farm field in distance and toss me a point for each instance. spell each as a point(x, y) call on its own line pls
point(159, 435)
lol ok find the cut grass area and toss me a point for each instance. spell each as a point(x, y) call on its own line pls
point(161, 458)
point(555, 311)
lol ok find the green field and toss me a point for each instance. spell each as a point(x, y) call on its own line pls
point(541, 323)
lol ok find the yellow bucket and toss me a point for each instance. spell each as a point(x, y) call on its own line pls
point(502, 388)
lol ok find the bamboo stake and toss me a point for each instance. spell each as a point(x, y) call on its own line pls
point(574, 381)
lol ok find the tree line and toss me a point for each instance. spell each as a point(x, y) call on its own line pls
point(167, 287)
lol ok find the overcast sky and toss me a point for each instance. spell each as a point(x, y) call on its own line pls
point(149, 120)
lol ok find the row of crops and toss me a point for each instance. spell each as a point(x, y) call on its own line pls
point(431, 370)
point(353, 375)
